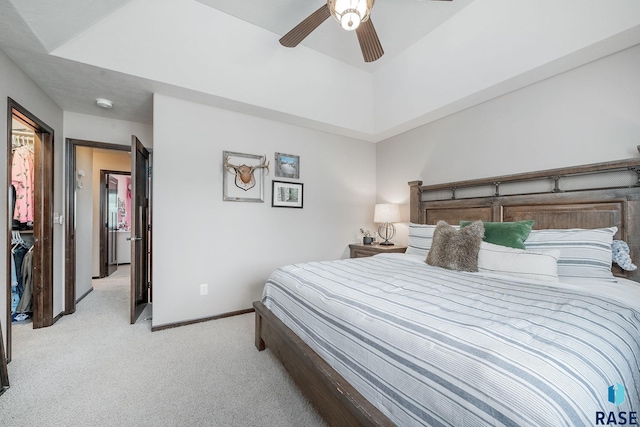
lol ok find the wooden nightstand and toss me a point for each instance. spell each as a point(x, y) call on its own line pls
point(360, 251)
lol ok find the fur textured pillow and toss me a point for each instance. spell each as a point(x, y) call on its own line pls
point(456, 249)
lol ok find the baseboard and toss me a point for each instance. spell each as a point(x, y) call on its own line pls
point(58, 317)
point(205, 319)
point(84, 295)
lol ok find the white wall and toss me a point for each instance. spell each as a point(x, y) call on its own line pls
point(588, 115)
point(16, 85)
point(233, 246)
point(100, 129)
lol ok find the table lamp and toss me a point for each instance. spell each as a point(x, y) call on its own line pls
point(386, 214)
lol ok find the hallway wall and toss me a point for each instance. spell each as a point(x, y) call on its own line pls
point(84, 222)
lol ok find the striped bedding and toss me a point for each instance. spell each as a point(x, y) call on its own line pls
point(429, 346)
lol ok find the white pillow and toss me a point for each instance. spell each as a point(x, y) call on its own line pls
point(420, 239)
point(583, 253)
point(518, 262)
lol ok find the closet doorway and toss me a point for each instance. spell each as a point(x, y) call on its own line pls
point(30, 226)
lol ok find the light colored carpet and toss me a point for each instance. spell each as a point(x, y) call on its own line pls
point(94, 369)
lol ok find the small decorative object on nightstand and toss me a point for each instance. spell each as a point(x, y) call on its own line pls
point(368, 238)
point(361, 251)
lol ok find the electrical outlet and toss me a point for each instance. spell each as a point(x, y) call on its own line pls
point(204, 289)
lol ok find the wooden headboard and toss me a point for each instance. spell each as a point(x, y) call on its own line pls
point(591, 196)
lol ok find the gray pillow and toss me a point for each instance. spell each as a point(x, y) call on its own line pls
point(456, 249)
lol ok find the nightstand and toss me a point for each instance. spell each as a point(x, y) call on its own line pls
point(360, 251)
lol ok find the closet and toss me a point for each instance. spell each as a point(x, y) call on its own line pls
point(22, 215)
point(30, 183)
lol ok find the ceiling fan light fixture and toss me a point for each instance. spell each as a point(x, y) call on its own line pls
point(350, 20)
point(350, 13)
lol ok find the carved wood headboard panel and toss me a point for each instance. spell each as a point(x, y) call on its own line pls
point(591, 196)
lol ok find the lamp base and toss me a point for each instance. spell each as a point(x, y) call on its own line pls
point(386, 231)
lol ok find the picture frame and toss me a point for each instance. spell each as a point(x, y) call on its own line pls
point(287, 166)
point(287, 194)
point(231, 192)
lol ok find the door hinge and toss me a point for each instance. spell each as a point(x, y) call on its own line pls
point(149, 227)
point(148, 285)
point(149, 171)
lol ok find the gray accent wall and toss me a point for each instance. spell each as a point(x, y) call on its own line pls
point(587, 115)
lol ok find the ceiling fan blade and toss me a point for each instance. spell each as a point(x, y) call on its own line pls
point(303, 29)
point(369, 41)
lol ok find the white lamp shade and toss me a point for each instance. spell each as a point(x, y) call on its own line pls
point(386, 212)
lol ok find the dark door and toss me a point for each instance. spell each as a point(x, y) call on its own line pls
point(139, 228)
point(112, 224)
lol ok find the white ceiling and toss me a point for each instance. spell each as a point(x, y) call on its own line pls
point(399, 24)
point(440, 57)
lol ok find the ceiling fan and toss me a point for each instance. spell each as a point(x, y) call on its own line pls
point(352, 15)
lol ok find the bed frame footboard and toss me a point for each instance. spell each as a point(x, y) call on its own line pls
point(332, 396)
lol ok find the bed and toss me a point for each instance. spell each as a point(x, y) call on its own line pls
point(390, 340)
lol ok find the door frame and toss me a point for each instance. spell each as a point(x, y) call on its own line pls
point(103, 235)
point(70, 213)
point(43, 223)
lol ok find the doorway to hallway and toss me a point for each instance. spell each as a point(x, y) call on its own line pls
point(83, 259)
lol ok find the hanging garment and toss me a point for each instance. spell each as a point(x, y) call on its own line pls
point(25, 305)
point(15, 298)
point(15, 225)
point(18, 252)
point(22, 180)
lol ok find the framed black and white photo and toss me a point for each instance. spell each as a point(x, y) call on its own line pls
point(286, 194)
point(243, 177)
point(287, 166)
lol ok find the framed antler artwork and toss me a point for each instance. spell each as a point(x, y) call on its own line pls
point(243, 177)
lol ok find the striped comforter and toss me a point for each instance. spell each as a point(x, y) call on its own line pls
point(428, 346)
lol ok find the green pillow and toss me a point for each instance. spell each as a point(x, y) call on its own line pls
point(511, 234)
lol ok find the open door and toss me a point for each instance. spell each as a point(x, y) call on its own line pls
point(111, 224)
point(140, 285)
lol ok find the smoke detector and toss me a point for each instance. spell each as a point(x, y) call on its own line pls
point(104, 103)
